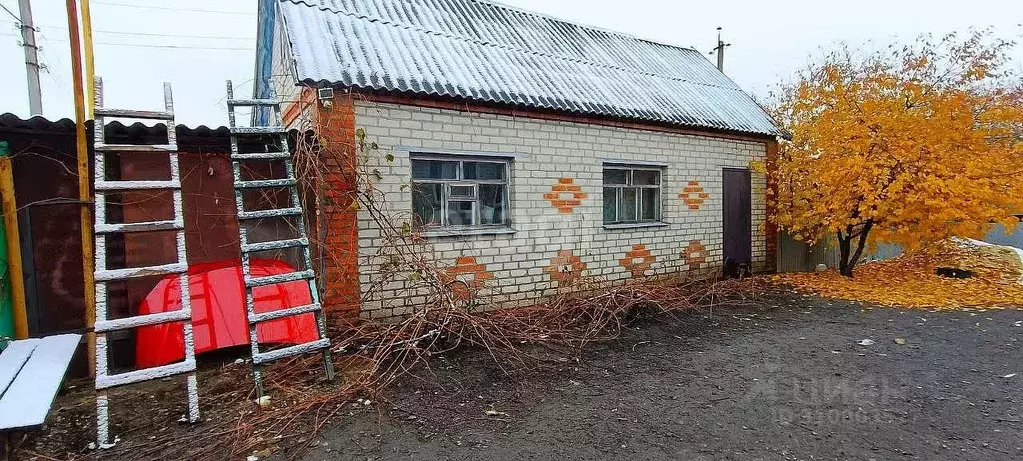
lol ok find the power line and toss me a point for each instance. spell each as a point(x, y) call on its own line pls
point(16, 17)
point(166, 8)
point(151, 34)
point(176, 46)
point(180, 47)
point(223, 48)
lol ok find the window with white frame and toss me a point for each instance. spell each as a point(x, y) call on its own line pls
point(459, 192)
point(632, 194)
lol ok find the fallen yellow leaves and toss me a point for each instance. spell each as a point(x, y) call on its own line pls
point(911, 281)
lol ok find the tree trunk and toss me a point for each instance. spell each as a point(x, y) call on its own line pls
point(844, 267)
point(849, 258)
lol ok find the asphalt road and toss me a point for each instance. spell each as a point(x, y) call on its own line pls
point(785, 379)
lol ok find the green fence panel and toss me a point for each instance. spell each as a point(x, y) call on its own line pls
point(6, 304)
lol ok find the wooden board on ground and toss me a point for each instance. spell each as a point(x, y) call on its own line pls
point(31, 372)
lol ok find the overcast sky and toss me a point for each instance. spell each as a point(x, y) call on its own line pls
point(140, 46)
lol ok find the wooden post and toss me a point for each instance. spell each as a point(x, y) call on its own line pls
point(90, 67)
point(84, 181)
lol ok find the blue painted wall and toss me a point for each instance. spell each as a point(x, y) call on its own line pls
point(885, 251)
point(997, 236)
point(266, 14)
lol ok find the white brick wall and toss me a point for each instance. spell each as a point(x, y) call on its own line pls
point(546, 151)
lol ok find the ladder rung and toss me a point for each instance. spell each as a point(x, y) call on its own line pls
point(290, 312)
point(145, 148)
point(279, 278)
point(251, 102)
point(286, 182)
point(259, 359)
point(159, 318)
point(258, 130)
point(261, 156)
point(274, 245)
point(122, 113)
point(135, 272)
point(103, 228)
point(274, 213)
point(136, 185)
point(145, 374)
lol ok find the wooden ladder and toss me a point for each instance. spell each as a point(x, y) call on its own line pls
point(104, 229)
point(279, 138)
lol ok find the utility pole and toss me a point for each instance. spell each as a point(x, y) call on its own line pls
point(28, 40)
point(720, 50)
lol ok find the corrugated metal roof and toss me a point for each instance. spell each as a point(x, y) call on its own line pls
point(488, 52)
point(116, 129)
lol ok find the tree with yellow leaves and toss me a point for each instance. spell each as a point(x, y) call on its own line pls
point(909, 145)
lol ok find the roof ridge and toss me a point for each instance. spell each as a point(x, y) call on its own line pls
point(581, 24)
point(734, 87)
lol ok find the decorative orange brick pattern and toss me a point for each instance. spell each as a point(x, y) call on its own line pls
point(472, 275)
point(694, 195)
point(695, 254)
point(566, 267)
point(638, 260)
point(565, 195)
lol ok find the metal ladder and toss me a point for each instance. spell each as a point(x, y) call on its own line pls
point(277, 131)
point(104, 325)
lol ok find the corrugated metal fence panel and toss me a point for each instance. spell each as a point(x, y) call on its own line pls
point(46, 188)
point(796, 256)
point(486, 52)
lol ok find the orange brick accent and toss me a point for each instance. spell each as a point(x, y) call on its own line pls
point(306, 99)
point(565, 195)
point(566, 267)
point(467, 265)
point(695, 254)
point(335, 131)
point(693, 195)
point(638, 260)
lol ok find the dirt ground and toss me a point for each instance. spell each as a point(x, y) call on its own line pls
point(786, 379)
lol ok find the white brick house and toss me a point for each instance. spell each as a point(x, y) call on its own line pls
point(528, 151)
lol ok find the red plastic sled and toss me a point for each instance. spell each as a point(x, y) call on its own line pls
point(218, 311)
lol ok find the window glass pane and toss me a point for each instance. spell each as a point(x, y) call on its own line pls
point(627, 210)
point(459, 213)
point(651, 209)
point(646, 177)
point(434, 169)
point(612, 176)
point(426, 199)
point(492, 204)
point(610, 204)
point(483, 171)
point(462, 191)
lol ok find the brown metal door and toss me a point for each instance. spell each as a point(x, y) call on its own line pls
point(738, 217)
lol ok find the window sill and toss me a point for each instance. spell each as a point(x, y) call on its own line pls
point(466, 232)
point(636, 225)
